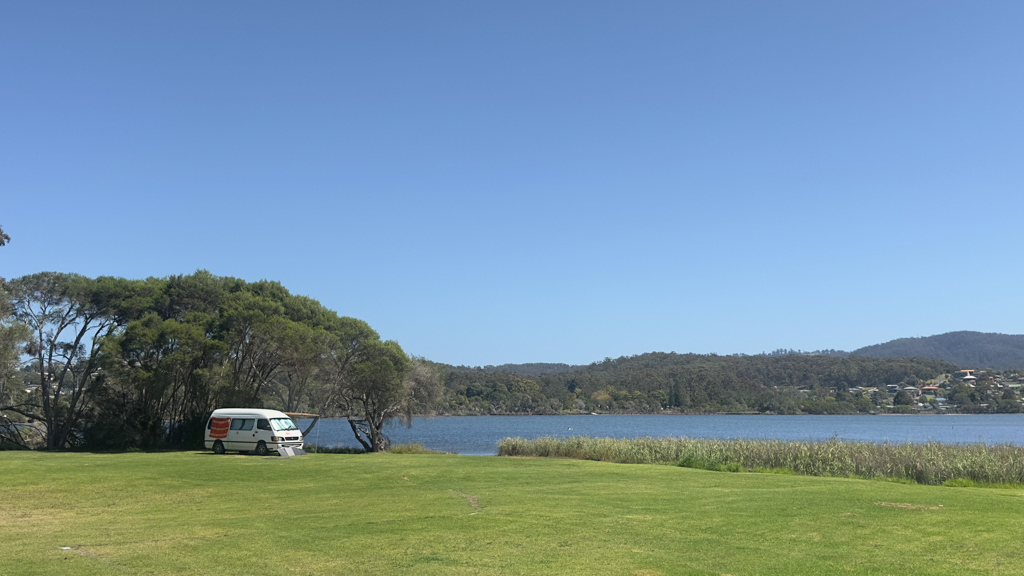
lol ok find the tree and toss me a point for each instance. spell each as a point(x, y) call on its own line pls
point(347, 339)
point(4, 238)
point(423, 384)
point(69, 316)
point(151, 385)
point(253, 328)
point(386, 384)
point(303, 350)
point(963, 395)
point(902, 398)
point(13, 335)
point(376, 392)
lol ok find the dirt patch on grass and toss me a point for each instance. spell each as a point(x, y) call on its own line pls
point(12, 517)
point(82, 552)
point(908, 506)
point(471, 499)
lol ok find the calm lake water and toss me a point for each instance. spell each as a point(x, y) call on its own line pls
point(479, 435)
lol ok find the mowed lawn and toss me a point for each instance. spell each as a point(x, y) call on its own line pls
point(197, 513)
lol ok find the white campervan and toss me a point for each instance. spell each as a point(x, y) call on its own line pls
point(251, 430)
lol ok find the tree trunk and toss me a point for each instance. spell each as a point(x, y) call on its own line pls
point(359, 435)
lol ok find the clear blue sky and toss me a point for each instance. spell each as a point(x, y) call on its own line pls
point(535, 181)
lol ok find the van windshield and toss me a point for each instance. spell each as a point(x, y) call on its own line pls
point(282, 424)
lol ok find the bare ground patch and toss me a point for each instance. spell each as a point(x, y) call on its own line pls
point(82, 552)
point(20, 517)
point(908, 506)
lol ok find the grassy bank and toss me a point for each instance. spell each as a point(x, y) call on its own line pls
point(196, 513)
point(394, 449)
point(930, 463)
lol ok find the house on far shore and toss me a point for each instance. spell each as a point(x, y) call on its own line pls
point(929, 389)
point(965, 375)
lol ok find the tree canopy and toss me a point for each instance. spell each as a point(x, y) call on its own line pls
point(120, 363)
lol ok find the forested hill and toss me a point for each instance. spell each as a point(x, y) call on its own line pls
point(696, 383)
point(532, 368)
point(966, 349)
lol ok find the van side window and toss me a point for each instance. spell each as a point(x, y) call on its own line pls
point(241, 423)
point(263, 424)
point(209, 424)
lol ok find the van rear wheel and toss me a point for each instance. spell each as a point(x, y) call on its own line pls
point(218, 447)
point(261, 448)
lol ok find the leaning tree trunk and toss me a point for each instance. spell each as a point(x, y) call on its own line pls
point(370, 434)
point(359, 431)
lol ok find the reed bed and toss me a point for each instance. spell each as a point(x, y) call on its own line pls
point(412, 449)
point(929, 463)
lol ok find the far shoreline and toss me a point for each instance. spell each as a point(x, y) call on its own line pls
point(701, 414)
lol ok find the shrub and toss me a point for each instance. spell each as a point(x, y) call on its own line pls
point(6, 445)
point(411, 449)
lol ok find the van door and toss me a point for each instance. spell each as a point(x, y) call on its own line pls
point(263, 432)
point(240, 436)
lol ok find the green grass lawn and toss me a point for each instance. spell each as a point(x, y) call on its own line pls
point(196, 513)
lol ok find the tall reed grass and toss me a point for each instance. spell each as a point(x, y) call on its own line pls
point(930, 463)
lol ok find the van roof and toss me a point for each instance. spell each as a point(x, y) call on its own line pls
point(258, 412)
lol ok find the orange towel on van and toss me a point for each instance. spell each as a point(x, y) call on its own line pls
point(220, 428)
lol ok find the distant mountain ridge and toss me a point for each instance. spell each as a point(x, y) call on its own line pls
point(965, 348)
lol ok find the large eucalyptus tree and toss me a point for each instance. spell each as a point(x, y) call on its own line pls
point(69, 316)
point(13, 336)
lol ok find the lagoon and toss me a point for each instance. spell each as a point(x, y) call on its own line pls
point(479, 435)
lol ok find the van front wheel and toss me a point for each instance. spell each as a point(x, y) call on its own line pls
point(261, 448)
point(218, 447)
